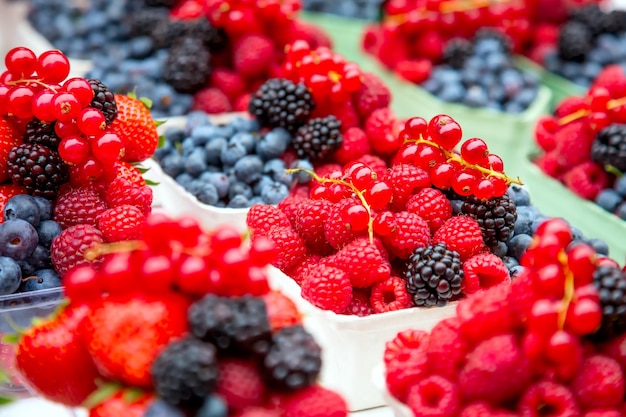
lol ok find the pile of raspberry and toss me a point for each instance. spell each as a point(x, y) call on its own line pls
point(583, 144)
point(551, 344)
point(368, 237)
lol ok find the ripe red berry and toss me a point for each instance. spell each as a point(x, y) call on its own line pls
point(474, 151)
point(20, 61)
point(81, 88)
point(445, 131)
point(91, 122)
point(66, 106)
point(43, 106)
point(107, 148)
point(53, 66)
point(74, 149)
point(416, 127)
point(19, 102)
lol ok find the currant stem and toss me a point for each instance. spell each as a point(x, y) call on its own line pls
point(568, 295)
point(39, 82)
point(451, 156)
point(579, 114)
point(359, 194)
point(109, 248)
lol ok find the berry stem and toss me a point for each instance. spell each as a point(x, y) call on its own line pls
point(579, 114)
point(451, 156)
point(359, 194)
point(109, 248)
point(568, 295)
point(39, 82)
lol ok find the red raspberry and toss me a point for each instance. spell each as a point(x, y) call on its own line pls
point(326, 170)
point(482, 409)
point(599, 383)
point(228, 82)
point(309, 222)
point(122, 191)
point(405, 180)
point(68, 249)
point(328, 288)
point(390, 295)
point(411, 232)
point(586, 179)
point(121, 223)
point(258, 412)
point(78, 206)
point(380, 130)
point(484, 271)
point(253, 56)
point(289, 246)
point(573, 144)
point(431, 205)
point(485, 314)
point(261, 218)
point(344, 111)
point(547, 395)
point(211, 100)
point(570, 105)
point(242, 103)
point(376, 163)
point(550, 165)
point(372, 95)
point(414, 70)
point(289, 206)
point(363, 262)
point(314, 35)
point(359, 305)
point(300, 272)
point(616, 349)
point(613, 79)
point(405, 361)
point(461, 234)
point(545, 130)
point(434, 396)
point(496, 371)
point(394, 47)
point(337, 230)
point(124, 170)
point(354, 145)
point(315, 401)
point(446, 348)
point(240, 383)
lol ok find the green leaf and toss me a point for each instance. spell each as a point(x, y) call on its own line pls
point(133, 94)
point(613, 170)
point(142, 170)
point(158, 123)
point(131, 395)
point(161, 141)
point(13, 338)
point(103, 393)
point(151, 183)
point(4, 377)
point(146, 102)
point(6, 400)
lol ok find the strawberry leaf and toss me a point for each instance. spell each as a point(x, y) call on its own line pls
point(6, 400)
point(103, 393)
point(151, 183)
point(158, 123)
point(142, 170)
point(161, 141)
point(131, 395)
point(146, 102)
point(133, 94)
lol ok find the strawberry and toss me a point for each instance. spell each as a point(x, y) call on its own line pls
point(7, 191)
point(136, 128)
point(121, 405)
point(125, 333)
point(74, 373)
point(9, 137)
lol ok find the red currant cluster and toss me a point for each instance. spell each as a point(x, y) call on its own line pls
point(326, 73)
point(474, 171)
point(242, 17)
point(36, 87)
point(174, 256)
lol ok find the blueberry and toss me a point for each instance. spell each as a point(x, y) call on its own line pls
point(577, 234)
point(453, 92)
point(213, 406)
point(274, 168)
point(249, 169)
point(620, 211)
point(515, 271)
point(262, 183)
point(475, 97)
point(187, 146)
point(22, 206)
point(184, 179)
point(214, 150)
point(510, 262)
point(239, 188)
point(27, 268)
point(239, 201)
point(456, 206)
point(173, 165)
point(537, 222)
point(47, 231)
point(231, 153)
point(42, 280)
point(45, 208)
point(526, 96)
point(40, 258)
point(201, 135)
point(219, 180)
point(523, 225)
point(432, 86)
point(519, 195)
point(18, 239)
point(609, 199)
point(246, 139)
point(207, 194)
point(518, 245)
point(245, 124)
point(302, 177)
point(10, 275)
point(274, 193)
point(273, 144)
point(195, 163)
point(160, 408)
point(620, 185)
point(195, 119)
point(496, 61)
point(513, 107)
point(500, 249)
point(141, 47)
point(599, 245)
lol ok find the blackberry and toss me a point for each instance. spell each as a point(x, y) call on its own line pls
point(434, 275)
point(143, 22)
point(185, 372)
point(282, 103)
point(103, 100)
point(496, 217)
point(318, 138)
point(234, 325)
point(168, 32)
point(160, 3)
point(456, 52)
point(616, 21)
point(609, 147)
point(611, 285)
point(575, 41)
point(294, 359)
point(41, 133)
point(187, 65)
point(37, 168)
point(592, 17)
point(488, 33)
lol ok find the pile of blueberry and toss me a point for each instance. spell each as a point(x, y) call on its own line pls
point(25, 239)
point(232, 165)
point(356, 9)
point(613, 199)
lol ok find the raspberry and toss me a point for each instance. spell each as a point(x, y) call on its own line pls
point(78, 206)
point(240, 383)
point(229, 82)
point(380, 131)
point(405, 361)
point(315, 401)
point(586, 179)
point(434, 396)
point(363, 262)
point(404, 342)
point(121, 223)
point(281, 310)
point(326, 170)
point(242, 103)
point(461, 234)
point(547, 395)
point(484, 270)
point(414, 70)
point(405, 180)
point(545, 128)
point(390, 295)
point(612, 78)
point(431, 205)
point(446, 348)
point(328, 288)
point(353, 145)
point(211, 100)
point(344, 112)
point(599, 383)
point(495, 371)
point(373, 94)
point(616, 349)
point(485, 314)
point(336, 230)
point(570, 105)
point(289, 246)
point(411, 232)
point(124, 170)
point(121, 191)
point(309, 219)
point(300, 272)
point(258, 412)
point(573, 144)
point(549, 164)
point(312, 34)
point(253, 55)
point(261, 218)
point(482, 409)
point(68, 249)
point(359, 304)
point(376, 163)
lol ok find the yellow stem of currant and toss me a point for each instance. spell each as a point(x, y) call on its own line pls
point(451, 156)
point(359, 194)
point(568, 295)
point(579, 114)
point(108, 248)
point(451, 6)
point(38, 82)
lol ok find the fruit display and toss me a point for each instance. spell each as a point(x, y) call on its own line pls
point(551, 343)
point(220, 346)
point(368, 10)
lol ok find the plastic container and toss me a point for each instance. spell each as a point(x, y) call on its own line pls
point(378, 379)
point(353, 346)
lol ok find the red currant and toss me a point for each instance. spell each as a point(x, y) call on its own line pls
point(262, 251)
point(225, 237)
point(500, 186)
point(584, 317)
point(157, 273)
point(385, 223)
point(581, 259)
point(379, 195)
point(82, 284)
point(428, 157)
point(442, 175)
point(74, 149)
point(484, 189)
point(474, 151)
point(495, 163)
point(407, 153)
point(356, 216)
point(53, 66)
point(544, 317)
point(66, 106)
point(193, 276)
point(599, 99)
point(120, 272)
point(444, 131)
point(6, 77)
point(549, 280)
point(81, 88)
point(43, 106)
point(90, 170)
point(4, 92)
point(350, 167)
point(20, 102)
point(107, 148)
point(363, 178)
point(556, 227)
point(64, 129)
point(416, 127)
point(91, 122)
point(20, 61)
point(464, 182)
point(562, 347)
